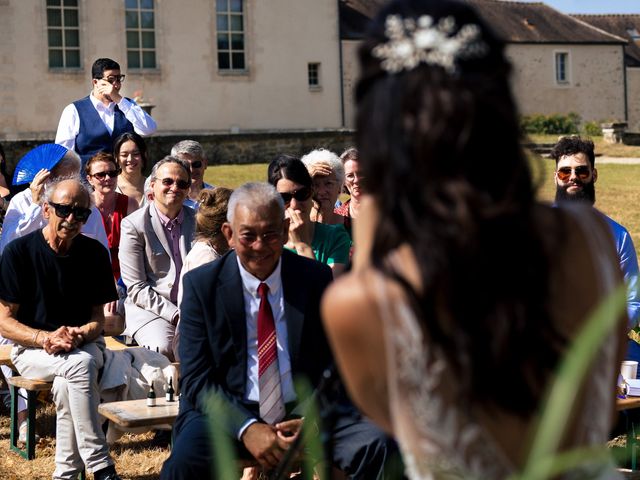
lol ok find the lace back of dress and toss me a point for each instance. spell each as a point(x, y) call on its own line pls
point(438, 439)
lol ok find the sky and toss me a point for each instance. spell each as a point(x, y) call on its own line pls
point(595, 6)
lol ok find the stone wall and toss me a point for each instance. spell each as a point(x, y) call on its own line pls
point(243, 148)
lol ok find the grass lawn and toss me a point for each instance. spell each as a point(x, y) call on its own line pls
point(602, 148)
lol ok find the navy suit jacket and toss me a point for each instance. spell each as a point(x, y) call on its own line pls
point(213, 334)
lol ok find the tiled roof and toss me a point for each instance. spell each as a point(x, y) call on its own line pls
point(514, 21)
point(625, 26)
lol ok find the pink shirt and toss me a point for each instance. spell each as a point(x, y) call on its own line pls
point(173, 230)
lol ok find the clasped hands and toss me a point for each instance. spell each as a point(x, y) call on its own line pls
point(64, 339)
point(268, 443)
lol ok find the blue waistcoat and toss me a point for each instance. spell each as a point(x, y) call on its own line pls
point(93, 136)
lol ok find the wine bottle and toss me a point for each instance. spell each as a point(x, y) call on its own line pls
point(151, 397)
point(170, 391)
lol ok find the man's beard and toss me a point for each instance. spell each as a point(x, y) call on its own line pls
point(586, 194)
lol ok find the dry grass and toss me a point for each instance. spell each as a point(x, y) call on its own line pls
point(601, 147)
point(135, 455)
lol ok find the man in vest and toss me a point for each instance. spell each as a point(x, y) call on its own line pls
point(91, 124)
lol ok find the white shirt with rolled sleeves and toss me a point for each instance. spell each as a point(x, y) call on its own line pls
point(69, 125)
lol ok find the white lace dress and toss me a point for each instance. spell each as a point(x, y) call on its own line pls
point(438, 438)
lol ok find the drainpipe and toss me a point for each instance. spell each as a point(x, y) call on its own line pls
point(624, 76)
point(342, 121)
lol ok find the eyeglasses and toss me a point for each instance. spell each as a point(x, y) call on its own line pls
point(269, 238)
point(582, 172)
point(103, 175)
point(300, 195)
point(181, 184)
point(196, 164)
point(81, 214)
point(114, 78)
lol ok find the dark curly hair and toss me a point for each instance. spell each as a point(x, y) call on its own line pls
point(572, 145)
point(442, 157)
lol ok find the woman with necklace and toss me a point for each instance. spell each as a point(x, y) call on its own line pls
point(130, 152)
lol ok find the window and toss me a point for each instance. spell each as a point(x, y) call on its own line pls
point(562, 68)
point(63, 33)
point(141, 34)
point(313, 74)
point(230, 35)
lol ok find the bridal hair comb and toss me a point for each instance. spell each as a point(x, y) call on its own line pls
point(411, 43)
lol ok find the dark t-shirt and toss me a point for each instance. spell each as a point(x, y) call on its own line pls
point(54, 290)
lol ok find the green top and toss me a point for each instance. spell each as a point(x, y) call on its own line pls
point(330, 244)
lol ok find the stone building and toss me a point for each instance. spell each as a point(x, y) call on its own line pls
point(561, 64)
point(206, 65)
point(627, 27)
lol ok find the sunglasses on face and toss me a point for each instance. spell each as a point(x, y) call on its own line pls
point(181, 184)
point(114, 78)
point(81, 214)
point(300, 195)
point(103, 175)
point(196, 164)
point(269, 238)
point(582, 172)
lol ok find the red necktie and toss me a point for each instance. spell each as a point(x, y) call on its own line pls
point(271, 403)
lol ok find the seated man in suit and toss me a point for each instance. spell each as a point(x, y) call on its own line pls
point(154, 240)
point(249, 325)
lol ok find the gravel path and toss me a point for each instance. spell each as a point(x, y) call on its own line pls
point(621, 160)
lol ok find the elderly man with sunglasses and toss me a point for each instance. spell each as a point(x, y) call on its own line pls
point(575, 178)
point(51, 307)
point(154, 240)
point(24, 214)
point(192, 152)
point(91, 124)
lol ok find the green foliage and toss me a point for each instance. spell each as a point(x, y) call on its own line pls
point(550, 124)
point(592, 129)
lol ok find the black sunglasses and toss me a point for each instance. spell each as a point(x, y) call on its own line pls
point(81, 214)
point(110, 174)
point(196, 164)
point(300, 195)
point(113, 79)
point(182, 184)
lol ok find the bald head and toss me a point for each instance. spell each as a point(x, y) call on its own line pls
point(68, 190)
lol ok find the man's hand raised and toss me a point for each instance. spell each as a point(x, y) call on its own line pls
point(263, 442)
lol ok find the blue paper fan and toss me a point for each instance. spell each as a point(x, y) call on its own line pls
point(44, 156)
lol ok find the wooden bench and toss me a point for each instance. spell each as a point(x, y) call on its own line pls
point(33, 389)
point(135, 413)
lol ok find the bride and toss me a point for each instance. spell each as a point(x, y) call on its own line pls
point(465, 292)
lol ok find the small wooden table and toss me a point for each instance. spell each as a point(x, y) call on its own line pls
point(135, 413)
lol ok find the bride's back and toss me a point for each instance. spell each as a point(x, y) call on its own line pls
point(472, 290)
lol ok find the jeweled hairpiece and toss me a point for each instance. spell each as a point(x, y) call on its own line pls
point(412, 43)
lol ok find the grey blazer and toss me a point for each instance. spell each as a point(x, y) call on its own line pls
point(147, 268)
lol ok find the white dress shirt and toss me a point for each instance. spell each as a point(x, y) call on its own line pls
point(23, 217)
point(251, 306)
point(69, 125)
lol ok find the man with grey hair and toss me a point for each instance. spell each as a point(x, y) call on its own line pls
point(192, 153)
point(51, 307)
point(250, 325)
point(154, 240)
point(24, 214)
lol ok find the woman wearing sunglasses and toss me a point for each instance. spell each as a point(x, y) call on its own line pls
point(130, 151)
point(329, 244)
point(102, 174)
